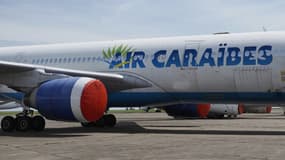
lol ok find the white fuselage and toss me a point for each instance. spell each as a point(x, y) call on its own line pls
point(230, 68)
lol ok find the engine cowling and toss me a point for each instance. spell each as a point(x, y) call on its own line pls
point(71, 99)
point(188, 110)
point(255, 108)
point(221, 110)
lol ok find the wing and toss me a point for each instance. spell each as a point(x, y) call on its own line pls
point(19, 75)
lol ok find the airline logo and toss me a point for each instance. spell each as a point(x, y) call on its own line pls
point(126, 57)
point(118, 57)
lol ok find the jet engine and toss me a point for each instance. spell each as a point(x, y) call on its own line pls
point(188, 110)
point(255, 108)
point(70, 99)
point(222, 110)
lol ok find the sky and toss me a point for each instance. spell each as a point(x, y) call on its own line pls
point(56, 21)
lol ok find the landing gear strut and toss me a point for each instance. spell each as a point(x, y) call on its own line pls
point(108, 120)
point(24, 121)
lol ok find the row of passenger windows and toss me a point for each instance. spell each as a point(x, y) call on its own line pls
point(63, 60)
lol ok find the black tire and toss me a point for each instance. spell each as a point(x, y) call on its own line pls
point(109, 120)
point(100, 123)
point(38, 123)
point(8, 124)
point(23, 124)
point(87, 124)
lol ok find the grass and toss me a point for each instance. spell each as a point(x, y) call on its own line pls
point(13, 113)
point(131, 111)
point(126, 111)
point(8, 113)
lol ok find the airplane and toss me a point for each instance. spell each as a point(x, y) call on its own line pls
point(79, 81)
point(224, 110)
point(188, 110)
point(254, 108)
point(220, 111)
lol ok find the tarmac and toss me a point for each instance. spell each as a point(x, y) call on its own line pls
point(153, 136)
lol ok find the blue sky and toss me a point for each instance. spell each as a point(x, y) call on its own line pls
point(52, 21)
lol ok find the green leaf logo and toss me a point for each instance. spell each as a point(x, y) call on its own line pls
point(123, 50)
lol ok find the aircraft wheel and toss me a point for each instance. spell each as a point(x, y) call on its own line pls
point(38, 123)
point(87, 124)
point(100, 122)
point(109, 120)
point(23, 123)
point(8, 124)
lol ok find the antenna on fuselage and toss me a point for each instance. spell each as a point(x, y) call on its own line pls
point(264, 29)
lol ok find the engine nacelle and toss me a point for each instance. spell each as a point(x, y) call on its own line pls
point(221, 110)
point(255, 108)
point(71, 99)
point(188, 110)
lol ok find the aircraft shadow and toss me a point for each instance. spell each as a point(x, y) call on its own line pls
point(133, 128)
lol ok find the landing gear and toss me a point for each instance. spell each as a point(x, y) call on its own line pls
point(38, 123)
point(108, 120)
point(23, 122)
point(8, 124)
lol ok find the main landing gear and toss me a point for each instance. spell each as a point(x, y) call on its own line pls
point(23, 122)
point(108, 120)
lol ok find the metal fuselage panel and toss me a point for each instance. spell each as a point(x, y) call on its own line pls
point(233, 68)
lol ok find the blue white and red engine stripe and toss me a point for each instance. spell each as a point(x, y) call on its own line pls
point(72, 99)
